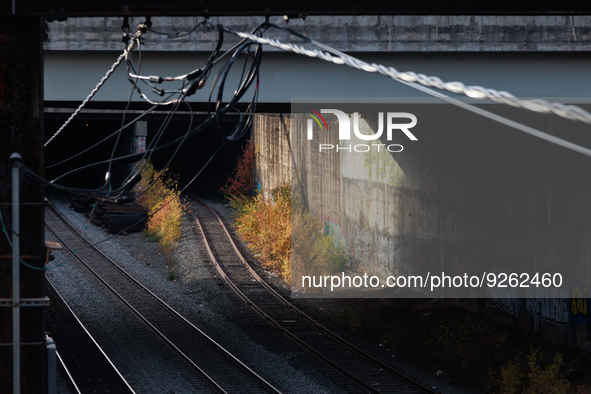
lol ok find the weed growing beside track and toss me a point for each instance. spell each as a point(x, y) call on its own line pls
point(285, 237)
point(282, 233)
point(241, 183)
point(264, 222)
point(159, 193)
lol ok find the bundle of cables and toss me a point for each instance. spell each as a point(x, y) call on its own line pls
point(245, 53)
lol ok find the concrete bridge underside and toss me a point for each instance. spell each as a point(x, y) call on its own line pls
point(71, 75)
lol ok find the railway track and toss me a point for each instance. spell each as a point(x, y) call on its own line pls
point(84, 364)
point(67, 383)
point(212, 366)
point(350, 367)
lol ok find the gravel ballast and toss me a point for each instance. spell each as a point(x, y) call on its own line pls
point(325, 310)
point(194, 293)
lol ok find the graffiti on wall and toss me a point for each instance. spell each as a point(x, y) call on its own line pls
point(546, 304)
point(578, 307)
point(579, 302)
point(510, 305)
point(336, 232)
point(550, 305)
point(381, 167)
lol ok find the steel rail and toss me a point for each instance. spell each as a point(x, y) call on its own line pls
point(68, 375)
point(147, 323)
point(51, 286)
point(253, 375)
point(275, 324)
point(180, 317)
point(296, 310)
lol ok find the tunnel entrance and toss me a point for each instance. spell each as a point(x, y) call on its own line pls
point(70, 162)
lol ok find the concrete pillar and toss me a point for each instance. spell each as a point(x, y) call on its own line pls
point(140, 134)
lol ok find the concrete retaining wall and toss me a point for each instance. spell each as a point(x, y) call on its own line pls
point(461, 200)
point(273, 158)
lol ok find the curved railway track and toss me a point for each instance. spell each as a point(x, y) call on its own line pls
point(84, 364)
point(358, 370)
point(211, 363)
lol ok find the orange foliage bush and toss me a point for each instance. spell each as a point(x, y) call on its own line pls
point(265, 224)
point(159, 193)
point(242, 181)
point(277, 234)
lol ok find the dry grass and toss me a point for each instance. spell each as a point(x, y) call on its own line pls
point(265, 224)
point(286, 240)
point(160, 194)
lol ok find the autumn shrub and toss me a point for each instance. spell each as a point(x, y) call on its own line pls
point(242, 180)
point(533, 379)
point(273, 231)
point(511, 379)
point(264, 222)
point(158, 192)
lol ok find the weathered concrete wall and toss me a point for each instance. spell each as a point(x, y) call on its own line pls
point(346, 33)
point(527, 56)
point(273, 157)
point(464, 198)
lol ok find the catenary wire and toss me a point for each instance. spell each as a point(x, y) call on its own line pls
point(140, 116)
point(129, 178)
point(5, 231)
point(120, 132)
point(537, 105)
point(139, 221)
point(95, 90)
point(132, 157)
point(411, 79)
point(178, 34)
point(133, 42)
point(189, 133)
point(568, 111)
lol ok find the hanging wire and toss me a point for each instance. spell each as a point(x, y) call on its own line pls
point(194, 80)
point(415, 81)
point(128, 49)
point(5, 231)
point(144, 113)
point(332, 55)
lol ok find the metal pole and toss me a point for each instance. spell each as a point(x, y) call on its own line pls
point(15, 158)
point(51, 366)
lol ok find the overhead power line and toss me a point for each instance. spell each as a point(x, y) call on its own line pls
point(245, 54)
point(478, 92)
point(100, 83)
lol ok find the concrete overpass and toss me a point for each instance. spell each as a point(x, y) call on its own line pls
point(529, 56)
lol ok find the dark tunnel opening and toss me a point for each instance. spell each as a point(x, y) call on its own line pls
point(89, 129)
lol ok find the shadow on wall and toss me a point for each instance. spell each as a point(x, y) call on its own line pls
point(468, 197)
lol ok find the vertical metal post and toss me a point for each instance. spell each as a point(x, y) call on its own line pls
point(15, 158)
point(21, 130)
point(51, 366)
